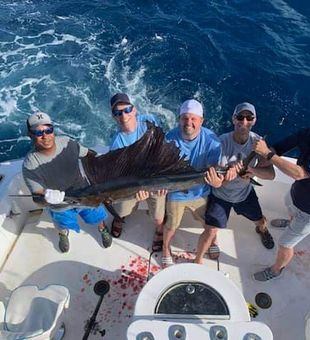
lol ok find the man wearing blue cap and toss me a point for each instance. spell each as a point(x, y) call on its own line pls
point(239, 193)
point(132, 127)
point(52, 167)
point(202, 148)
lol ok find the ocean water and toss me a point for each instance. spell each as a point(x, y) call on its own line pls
point(68, 57)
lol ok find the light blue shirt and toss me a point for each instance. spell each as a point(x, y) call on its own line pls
point(202, 152)
point(122, 139)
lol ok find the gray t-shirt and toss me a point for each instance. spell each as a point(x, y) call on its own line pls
point(237, 190)
point(60, 171)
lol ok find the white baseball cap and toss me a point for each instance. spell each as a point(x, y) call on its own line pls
point(191, 106)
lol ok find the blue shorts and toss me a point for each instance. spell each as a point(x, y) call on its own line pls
point(218, 210)
point(67, 219)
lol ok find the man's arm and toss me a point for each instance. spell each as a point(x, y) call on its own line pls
point(292, 170)
point(263, 170)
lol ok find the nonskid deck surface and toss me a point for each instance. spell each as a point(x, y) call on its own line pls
point(127, 264)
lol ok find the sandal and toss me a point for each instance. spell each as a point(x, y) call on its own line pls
point(157, 244)
point(166, 261)
point(117, 227)
point(214, 252)
point(266, 238)
point(280, 223)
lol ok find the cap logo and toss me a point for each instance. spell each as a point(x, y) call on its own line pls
point(39, 116)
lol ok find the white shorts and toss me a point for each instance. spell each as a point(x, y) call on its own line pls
point(299, 227)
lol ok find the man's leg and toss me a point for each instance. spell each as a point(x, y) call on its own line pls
point(175, 212)
point(298, 229)
point(251, 209)
point(157, 205)
point(207, 238)
point(97, 216)
point(284, 257)
point(216, 216)
point(124, 208)
point(64, 220)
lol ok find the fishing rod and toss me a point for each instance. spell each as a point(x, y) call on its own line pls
point(101, 288)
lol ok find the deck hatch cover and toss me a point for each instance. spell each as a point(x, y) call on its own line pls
point(191, 298)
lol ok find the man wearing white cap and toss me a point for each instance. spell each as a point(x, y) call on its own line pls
point(202, 148)
point(52, 167)
point(239, 193)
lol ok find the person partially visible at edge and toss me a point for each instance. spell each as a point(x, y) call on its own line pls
point(52, 167)
point(297, 201)
point(239, 193)
point(132, 126)
point(202, 148)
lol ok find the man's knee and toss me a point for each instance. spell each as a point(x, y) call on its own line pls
point(209, 231)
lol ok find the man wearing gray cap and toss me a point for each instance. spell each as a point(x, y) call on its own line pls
point(202, 148)
point(132, 126)
point(52, 167)
point(239, 193)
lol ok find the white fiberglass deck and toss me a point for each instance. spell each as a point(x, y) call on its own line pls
point(35, 259)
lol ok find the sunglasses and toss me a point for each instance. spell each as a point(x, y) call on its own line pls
point(249, 118)
point(40, 133)
point(118, 113)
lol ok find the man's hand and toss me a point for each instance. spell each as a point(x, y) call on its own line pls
point(247, 175)
point(261, 148)
point(231, 174)
point(54, 196)
point(142, 195)
point(214, 179)
point(162, 192)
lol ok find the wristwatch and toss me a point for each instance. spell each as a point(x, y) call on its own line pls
point(270, 155)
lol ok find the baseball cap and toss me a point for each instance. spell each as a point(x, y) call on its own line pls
point(38, 118)
point(119, 98)
point(244, 107)
point(191, 106)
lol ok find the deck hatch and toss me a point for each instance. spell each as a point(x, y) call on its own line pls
point(194, 298)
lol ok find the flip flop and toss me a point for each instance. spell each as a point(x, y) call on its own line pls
point(157, 244)
point(117, 228)
point(280, 223)
point(214, 252)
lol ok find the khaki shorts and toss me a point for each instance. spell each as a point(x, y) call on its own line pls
point(175, 211)
point(156, 205)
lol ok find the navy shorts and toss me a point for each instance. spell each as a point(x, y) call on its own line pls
point(67, 219)
point(218, 210)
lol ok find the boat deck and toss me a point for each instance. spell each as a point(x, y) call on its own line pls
point(127, 264)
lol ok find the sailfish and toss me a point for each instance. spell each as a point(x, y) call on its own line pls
point(150, 164)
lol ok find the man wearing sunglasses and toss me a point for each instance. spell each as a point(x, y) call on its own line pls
point(52, 167)
point(239, 193)
point(132, 126)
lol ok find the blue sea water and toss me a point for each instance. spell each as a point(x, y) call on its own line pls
point(68, 57)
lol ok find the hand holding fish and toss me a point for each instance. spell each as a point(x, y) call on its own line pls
point(247, 174)
point(213, 178)
point(162, 192)
point(231, 174)
point(142, 195)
